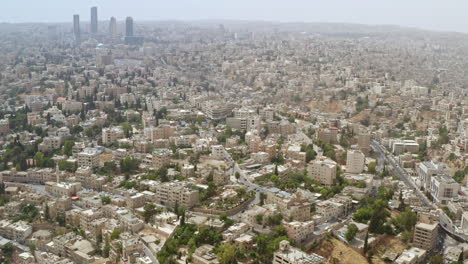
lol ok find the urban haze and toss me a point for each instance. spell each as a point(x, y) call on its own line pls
point(223, 132)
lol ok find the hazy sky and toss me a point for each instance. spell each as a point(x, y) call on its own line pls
point(449, 15)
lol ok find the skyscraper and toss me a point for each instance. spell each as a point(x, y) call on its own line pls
point(113, 27)
point(129, 27)
point(76, 27)
point(94, 20)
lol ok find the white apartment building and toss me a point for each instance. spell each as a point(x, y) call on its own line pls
point(249, 216)
point(413, 255)
point(244, 112)
point(62, 189)
point(217, 110)
point(72, 106)
point(34, 175)
point(63, 132)
point(111, 135)
point(170, 193)
point(135, 201)
point(330, 209)
point(429, 169)
point(235, 231)
point(17, 231)
point(205, 255)
point(50, 143)
point(322, 170)
point(89, 157)
point(294, 152)
point(299, 231)
point(244, 123)
point(400, 147)
point(217, 152)
point(161, 158)
point(443, 188)
point(291, 206)
point(289, 255)
point(267, 113)
point(163, 131)
point(87, 217)
point(355, 160)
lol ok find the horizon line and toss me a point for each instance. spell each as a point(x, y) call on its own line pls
point(248, 21)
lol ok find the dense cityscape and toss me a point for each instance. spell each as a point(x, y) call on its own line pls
point(219, 142)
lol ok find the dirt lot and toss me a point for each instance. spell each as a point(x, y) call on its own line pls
point(332, 107)
point(340, 253)
point(387, 243)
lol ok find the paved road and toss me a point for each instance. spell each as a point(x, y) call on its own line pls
point(379, 149)
point(445, 223)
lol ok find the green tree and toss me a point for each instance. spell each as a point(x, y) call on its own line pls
point(115, 234)
point(182, 218)
point(127, 129)
point(436, 259)
point(32, 247)
point(7, 250)
point(371, 168)
point(362, 103)
point(39, 159)
point(310, 155)
point(2, 187)
point(363, 215)
point(106, 250)
point(46, 212)
point(67, 166)
point(406, 236)
point(351, 232)
point(366, 242)
point(106, 200)
point(262, 198)
point(378, 219)
point(259, 219)
point(459, 175)
point(61, 220)
point(68, 147)
point(406, 220)
point(129, 165)
point(227, 254)
point(274, 220)
point(148, 211)
point(452, 156)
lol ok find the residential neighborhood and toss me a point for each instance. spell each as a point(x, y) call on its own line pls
point(251, 142)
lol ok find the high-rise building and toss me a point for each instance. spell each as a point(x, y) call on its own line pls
point(364, 140)
point(94, 20)
point(425, 235)
point(129, 27)
point(355, 161)
point(113, 27)
point(76, 27)
point(130, 38)
point(323, 170)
